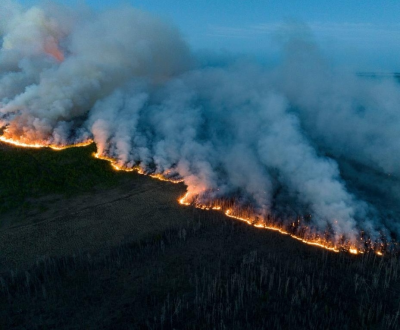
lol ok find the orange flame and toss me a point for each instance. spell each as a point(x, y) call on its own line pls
point(315, 241)
point(52, 49)
point(139, 170)
point(37, 145)
point(188, 200)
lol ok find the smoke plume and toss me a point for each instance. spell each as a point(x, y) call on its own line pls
point(304, 139)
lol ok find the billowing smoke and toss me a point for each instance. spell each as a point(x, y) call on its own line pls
point(303, 139)
point(56, 66)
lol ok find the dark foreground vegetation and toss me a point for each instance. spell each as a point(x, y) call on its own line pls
point(211, 273)
point(165, 266)
point(30, 173)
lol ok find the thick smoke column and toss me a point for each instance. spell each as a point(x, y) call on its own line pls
point(54, 67)
point(301, 139)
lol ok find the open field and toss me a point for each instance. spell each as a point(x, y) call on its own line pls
point(121, 253)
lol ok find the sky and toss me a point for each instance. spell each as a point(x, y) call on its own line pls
point(364, 35)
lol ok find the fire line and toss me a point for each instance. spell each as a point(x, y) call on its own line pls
point(318, 242)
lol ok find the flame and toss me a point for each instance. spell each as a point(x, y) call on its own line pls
point(52, 49)
point(321, 244)
point(353, 250)
point(187, 199)
point(139, 170)
point(315, 241)
point(162, 177)
point(229, 213)
point(183, 200)
point(37, 145)
point(113, 163)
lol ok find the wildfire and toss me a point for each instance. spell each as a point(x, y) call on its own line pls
point(353, 250)
point(113, 163)
point(139, 170)
point(187, 200)
point(163, 178)
point(52, 48)
point(183, 200)
point(315, 241)
point(54, 51)
point(43, 145)
point(282, 231)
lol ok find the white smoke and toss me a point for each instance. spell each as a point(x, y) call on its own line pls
point(102, 52)
point(281, 139)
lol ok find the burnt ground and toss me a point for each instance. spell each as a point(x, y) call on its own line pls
point(128, 256)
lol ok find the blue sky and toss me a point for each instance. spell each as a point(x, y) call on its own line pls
point(360, 34)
